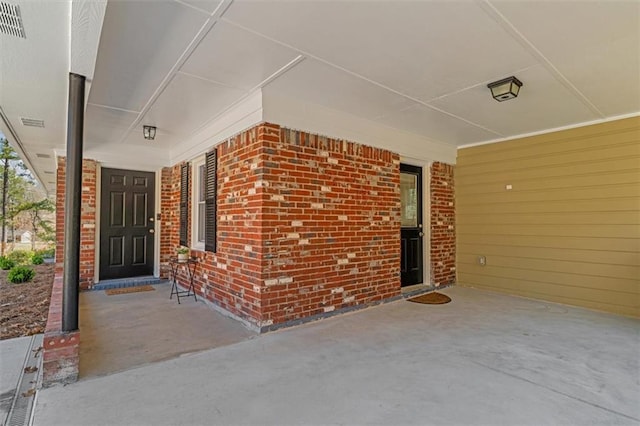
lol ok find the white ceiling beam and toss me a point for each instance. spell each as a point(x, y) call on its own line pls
point(354, 74)
point(202, 33)
point(238, 116)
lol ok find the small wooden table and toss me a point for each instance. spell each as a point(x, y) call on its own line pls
point(191, 265)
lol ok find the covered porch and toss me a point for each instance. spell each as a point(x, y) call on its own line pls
point(275, 150)
point(124, 331)
point(484, 358)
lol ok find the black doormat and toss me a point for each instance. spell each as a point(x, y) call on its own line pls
point(431, 299)
point(125, 290)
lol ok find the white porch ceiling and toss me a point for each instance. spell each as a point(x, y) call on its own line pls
point(416, 71)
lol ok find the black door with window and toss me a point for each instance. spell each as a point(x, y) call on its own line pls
point(411, 269)
point(127, 211)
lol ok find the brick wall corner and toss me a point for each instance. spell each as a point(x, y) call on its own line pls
point(443, 224)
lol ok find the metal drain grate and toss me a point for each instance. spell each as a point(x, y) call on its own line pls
point(10, 20)
point(20, 413)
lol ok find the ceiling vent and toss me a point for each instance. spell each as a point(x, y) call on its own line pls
point(10, 20)
point(32, 122)
point(43, 155)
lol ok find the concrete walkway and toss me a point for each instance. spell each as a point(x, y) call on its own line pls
point(483, 359)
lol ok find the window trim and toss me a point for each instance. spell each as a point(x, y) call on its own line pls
point(196, 179)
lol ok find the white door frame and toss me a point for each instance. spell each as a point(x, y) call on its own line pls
point(156, 253)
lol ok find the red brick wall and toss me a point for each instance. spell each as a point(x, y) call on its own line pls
point(306, 225)
point(88, 220)
point(443, 229)
point(331, 225)
point(61, 349)
point(169, 216)
point(231, 277)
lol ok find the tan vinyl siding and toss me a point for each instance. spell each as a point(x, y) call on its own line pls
point(568, 231)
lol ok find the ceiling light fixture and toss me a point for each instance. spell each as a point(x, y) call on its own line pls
point(505, 89)
point(149, 132)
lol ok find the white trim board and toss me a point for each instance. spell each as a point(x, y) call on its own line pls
point(553, 130)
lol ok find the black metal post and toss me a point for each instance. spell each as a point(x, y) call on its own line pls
point(73, 203)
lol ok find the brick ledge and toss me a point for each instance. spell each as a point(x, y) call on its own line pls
point(61, 350)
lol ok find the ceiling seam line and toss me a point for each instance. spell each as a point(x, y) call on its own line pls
point(375, 83)
point(211, 81)
point(501, 20)
point(190, 6)
point(113, 108)
point(282, 70)
point(248, 93)
point(173, 159)
point(210, 23)
point(186, 54)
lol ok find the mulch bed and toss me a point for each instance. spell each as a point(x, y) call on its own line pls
point(24, 307)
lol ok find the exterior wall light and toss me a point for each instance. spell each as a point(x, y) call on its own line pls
point(505, 89)
point(149, 132)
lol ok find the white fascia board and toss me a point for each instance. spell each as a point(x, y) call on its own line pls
point(309, 117)
point(241, 116)
point(552, 130)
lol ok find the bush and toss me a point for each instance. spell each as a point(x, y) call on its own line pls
point(36, 259)
point(48, 253)
point(6, 263)
point(21, 257)
point(20, 274)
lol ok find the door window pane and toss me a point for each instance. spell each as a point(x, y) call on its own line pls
point(409, 200)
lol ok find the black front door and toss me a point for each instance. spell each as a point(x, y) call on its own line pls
point(411, 222)
point(127, 201)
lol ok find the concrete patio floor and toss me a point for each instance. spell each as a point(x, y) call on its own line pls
point(123, 331)
point(485, 358)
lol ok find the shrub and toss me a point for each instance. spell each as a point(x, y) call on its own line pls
point(20, 274)
point(48, 253)
point(21, 257)
point(6, 263)
point(36, 259)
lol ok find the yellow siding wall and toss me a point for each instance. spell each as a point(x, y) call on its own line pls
point(568, 231)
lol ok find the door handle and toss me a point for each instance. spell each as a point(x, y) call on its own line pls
point(421, 234)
